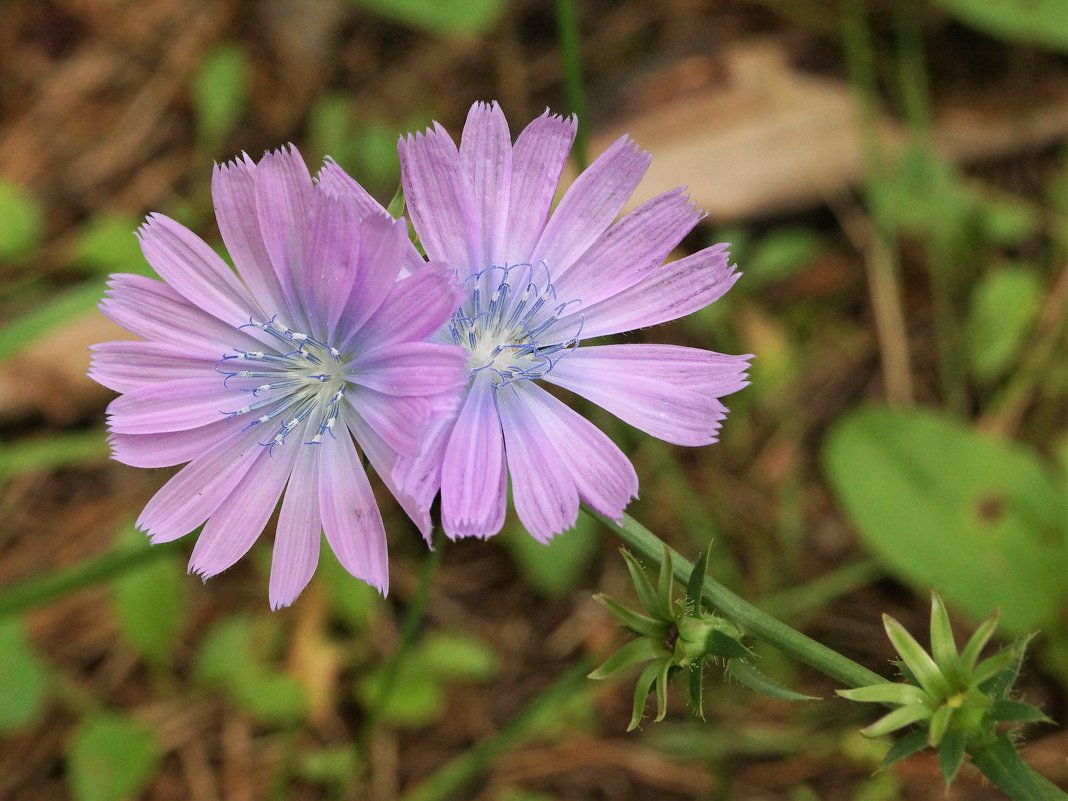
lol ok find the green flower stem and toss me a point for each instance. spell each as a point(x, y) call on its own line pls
point(759, 624)
point(568, 31)
point(41, 590)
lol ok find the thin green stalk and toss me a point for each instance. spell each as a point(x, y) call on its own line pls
point(413, 619)
point(450, 779)
point(43, 589)
point(759, 624)
point(574, 88)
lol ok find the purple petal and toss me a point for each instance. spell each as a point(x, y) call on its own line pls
point(233, 191)
point(629, 250)
point(411, 368)
point(714, 373)
point(399, 421)
point(331, 260)
point(590, 205)
point(171, 448)
point(283, 201)
point(669, 410)
point(299, 531)
point(440, 199)
point(238, 522)
point(604, 477)
point(185, 261)
point(543, 491)
point(198, 489)
point(382, 244)
point(175, 405)
point(384, 459)
point(538, 159)
point(151, 309)
point(669, 292)
point(351, 520)
point(336, 181)
point(486, 156)
point(419, 476)
point(415, 308)
point(126, 365)
point(473, 476)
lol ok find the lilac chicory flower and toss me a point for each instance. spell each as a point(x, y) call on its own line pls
point(537, 284)
point(260, 379)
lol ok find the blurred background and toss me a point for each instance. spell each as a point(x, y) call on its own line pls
point(893, 178)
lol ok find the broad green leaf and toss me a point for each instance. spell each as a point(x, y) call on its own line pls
point(21, 221)
point(746, 674)
point(220, 92)
point(554, 568)
point(150, 602)
point(440, 16)
point(1004, 306)
point(23, 679)
point(453, 655)
point(108, 244)
point(110, 758)
point(1040, 22)
point(944, 506)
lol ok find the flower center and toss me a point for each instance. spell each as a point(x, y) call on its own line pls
point(305, 378)
point(509, 334)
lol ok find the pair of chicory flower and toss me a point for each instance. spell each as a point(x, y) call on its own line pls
point(334, 333)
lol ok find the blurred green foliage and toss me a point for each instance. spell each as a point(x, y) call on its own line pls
point(443, 17)
point(23, 678)
point(1043, 22)
point(554, 568)
point(220, 93)
point(21, 221)
point(110, 758)
point(1004, 306)
point(943, 506)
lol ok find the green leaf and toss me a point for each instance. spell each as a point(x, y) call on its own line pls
point(220, 92)
point(30, 326)
point(977, 642)
point(446, 17)
point(661, 690)
point(150, 602)
point(942, 505)
point(697, 690)
point(555, 568)
point(21, 221)
point(898, 719)
point(904, 747)
point(642, 585)
point(641, 692)
point(887, 693)
point(1040, 22)
point(53, 450)
point(356, 603)
point(1000, 762)
point(665, 590)
point(333, 765)
point(943, 644)
point(748, 675)
point(696, 582)
point(936, 729)
point(724, 646)
point(639, 624)
point(917, 660)
point(107, 244)
point(453, 655)
point(110, 758)
point(951, 754)
point(634, 652)
point(23, 679)
point(1004, 307)
point(1010, 711)
point(992, 666)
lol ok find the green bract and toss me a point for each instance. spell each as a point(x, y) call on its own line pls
point(958, 699)
point(674, 634)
